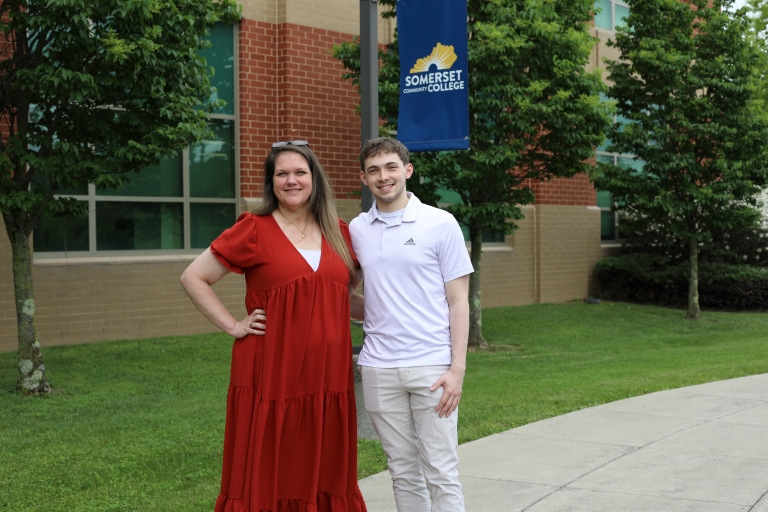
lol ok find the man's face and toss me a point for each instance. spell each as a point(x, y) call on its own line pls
point(385, 176)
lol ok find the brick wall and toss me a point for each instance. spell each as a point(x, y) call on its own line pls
point(313, 102)
point(8, 330)
point(85, 303)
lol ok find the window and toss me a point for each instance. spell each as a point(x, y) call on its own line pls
point(182, 203)
point(611, 14)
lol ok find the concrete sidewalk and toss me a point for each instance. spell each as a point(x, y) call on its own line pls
point(697, 449)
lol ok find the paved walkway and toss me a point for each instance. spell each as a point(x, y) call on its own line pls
point(697, 449)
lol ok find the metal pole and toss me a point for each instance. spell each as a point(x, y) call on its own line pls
point(369, 80)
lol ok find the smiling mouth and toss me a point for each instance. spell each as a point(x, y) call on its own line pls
point(387, 187)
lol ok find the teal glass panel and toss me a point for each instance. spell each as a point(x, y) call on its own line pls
point(138, 226)
point(604, 199)
point(607, 226)
point(449, 196)
point(207, 221)
point(606, 159)
point(631, 163)
point(221, 57)
point(161, 180)
point(488, 237)
point(61, 235)
point(212, 162)
point(621, 13)
point(603, 18)
point(604, 146)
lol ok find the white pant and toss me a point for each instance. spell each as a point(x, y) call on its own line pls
point(419, 445)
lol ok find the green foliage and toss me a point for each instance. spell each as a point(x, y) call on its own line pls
point(745, 244)
point(758, 36)
point(652, 278)
point(534, 112)
point(685, 83)
point(93, 89)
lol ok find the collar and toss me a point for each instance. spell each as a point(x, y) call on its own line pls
point(409, 214)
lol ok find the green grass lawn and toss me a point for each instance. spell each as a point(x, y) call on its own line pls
point(138, 425)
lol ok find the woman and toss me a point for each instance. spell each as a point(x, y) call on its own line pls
point(290, 442)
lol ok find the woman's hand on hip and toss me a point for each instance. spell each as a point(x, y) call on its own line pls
point(255, 323)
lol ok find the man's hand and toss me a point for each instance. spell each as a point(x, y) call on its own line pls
point(451, 381)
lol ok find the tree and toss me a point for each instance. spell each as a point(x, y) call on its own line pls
point(90, 90)
point(534, 114)
point(685, 84)
point(758, 36)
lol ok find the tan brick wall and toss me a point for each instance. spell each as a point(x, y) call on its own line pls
point(336, 15)
point(8, 330)
point(568, 244)
point(85, 303)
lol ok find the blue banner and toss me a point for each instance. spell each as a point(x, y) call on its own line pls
point(434, 89)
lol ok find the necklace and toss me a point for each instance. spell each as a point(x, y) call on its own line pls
point(302, 231)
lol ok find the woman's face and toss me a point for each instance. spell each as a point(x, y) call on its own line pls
point(292, 180)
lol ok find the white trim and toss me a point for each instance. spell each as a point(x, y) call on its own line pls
point(114, 260)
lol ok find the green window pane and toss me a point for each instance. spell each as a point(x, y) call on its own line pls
point(603, 18)
point(604, 146)
point(207, 221)
point(606, 159)
point(604, 199)
point(138, 226)
point(607, 226)
point(221, 57)
point(621, 13)
point(631, 163)
point(212, 162)
point(61, 235)
point(161, 180)
point(449, 196)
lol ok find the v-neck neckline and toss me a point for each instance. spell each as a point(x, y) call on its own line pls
point(296, 249)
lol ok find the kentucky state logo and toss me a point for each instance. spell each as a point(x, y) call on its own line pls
point(442, 57)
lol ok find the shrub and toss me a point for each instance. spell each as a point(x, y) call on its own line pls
point(653, 278)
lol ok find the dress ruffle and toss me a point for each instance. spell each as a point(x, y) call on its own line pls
point(351, 503)
point(320, 427)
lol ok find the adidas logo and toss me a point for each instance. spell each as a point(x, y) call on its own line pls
point(410, 242)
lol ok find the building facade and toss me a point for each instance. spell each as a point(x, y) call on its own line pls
point(114, 275)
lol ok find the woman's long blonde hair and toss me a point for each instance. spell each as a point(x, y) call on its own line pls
point(321, 203)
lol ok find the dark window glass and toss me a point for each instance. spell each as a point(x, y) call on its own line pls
point(221, 57)
point(138, 226)
point(208, 220)
point(212, 162)
point(61, 235)
point(161, 180)
point(607, 225)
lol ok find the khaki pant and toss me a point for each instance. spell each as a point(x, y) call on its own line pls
point(421, 448)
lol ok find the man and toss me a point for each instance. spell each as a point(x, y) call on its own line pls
point(416, 319)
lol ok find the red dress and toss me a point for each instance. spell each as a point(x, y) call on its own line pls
point(290, 443)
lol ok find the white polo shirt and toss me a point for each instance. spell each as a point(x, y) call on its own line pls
point(405, 267)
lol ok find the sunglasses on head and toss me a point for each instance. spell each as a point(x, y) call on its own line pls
point(290, 143)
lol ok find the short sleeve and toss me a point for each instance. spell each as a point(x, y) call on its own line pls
point(348, 238)
point(237, 247)
point(454, 257)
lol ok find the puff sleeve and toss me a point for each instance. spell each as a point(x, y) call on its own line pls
point(237, 247)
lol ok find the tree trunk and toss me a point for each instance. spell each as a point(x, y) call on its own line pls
point(475, 307)
point(32, 379)
point(693, 283)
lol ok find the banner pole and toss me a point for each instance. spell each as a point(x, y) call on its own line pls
point(369, 81)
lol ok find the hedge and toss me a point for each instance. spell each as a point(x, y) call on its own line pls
point(649, 278)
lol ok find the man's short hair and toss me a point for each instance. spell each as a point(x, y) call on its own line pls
point(380, 145)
